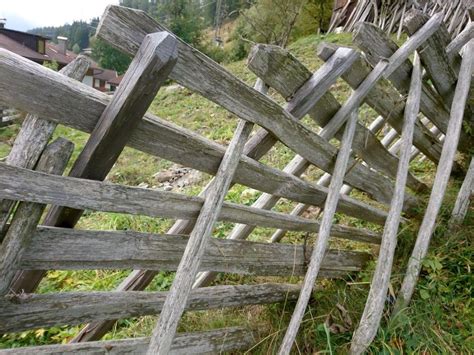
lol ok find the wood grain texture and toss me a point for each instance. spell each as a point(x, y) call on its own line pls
point(27, 215)
point(322, 241)
point(153, 135)
point(374, 306)
point(209, 342)
point(124, 28)
point(69, 249)
point(165, 330)
point(463, 199)
point(148, 71)
point(456, 44)
point(32, 311)
point(377, 45)
point(31, 186)
point(35, 134)
point(274, 64)
point(387, 101)
point(441, 179)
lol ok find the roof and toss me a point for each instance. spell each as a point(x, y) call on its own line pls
point(117, 80)
point(18, 48)
point(104, 74)
point(26, 33)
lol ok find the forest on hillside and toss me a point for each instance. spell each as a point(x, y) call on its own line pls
point(200, 23)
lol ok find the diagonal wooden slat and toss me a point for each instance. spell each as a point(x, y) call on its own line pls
point(148, 71)
point(441, 179)
point(323, 236)
point(373, 311)
point(164, 332)
point(464, 198)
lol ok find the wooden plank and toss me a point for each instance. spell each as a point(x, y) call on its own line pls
point(70, 249)
point(32, 311)
point(441, 179)
point(165, 330)
point(456, 44)
point(35, 134)
point(27, 215)
point(214, 341)
point(153, 135)
point(377, 45)
point(322, 241)
point(148, 71)
point(274, 65)
point(374, 306)
point(124, 28)
point(387, 102)
point(31, 186)
point(464, 198)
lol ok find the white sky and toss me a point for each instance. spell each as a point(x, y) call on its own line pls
point(26, 14)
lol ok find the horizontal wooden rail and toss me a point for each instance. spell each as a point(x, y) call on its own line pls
point(212, 342)
point(153, 135)
point(125, 28)
point(32, 186)
point(70, 249)
point(32, 311)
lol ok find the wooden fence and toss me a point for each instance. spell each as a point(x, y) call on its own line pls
point(424, 119)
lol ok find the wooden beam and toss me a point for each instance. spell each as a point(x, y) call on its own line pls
point(456, 44)
point(441, 179)
point(213, 341)
point(385, 100)
point(374, 306)
point(124, 28)
point(32, 311)
point(377, 45)
point(322, 241)
point(274, 65)
point(31, 186)
point(464, 198)
point(148, 71)
point(70, 249)
point(164, 332)
point(153, 135)
point(27, 215)
point(35, 134)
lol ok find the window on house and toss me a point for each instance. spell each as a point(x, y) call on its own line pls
point(41, 46)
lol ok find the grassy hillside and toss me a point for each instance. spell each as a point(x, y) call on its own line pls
point(441, 316)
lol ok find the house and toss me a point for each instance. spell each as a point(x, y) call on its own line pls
point(42, 50)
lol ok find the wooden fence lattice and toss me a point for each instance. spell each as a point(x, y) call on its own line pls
point(426, 112)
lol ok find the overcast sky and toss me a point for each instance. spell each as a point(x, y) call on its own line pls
point(26, 14)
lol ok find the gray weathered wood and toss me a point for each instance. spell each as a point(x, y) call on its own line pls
point(441, 179)
point(164, 332)
point(124, 28)
point(153, 135)
point(464, 198)
point(31, 186)
point(377, 45)
point(31, 311)
point(208, 342)
point(274, 64)
point(27, 215)
point(387, 102)
point(456, 44)
point(148, 71)
point(34, 135)
point(374, 306)
point(415, 41)
point(322, 241)
point(70, 249)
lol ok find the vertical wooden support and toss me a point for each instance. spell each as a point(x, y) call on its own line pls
point(441, 179)
point(27, 216)
point(147, 72)
point(464, 198)
point(34, 135)
point(173, 308)
point(370, 320)
point(323, 235)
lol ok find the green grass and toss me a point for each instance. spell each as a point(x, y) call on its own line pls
point(439, 319)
